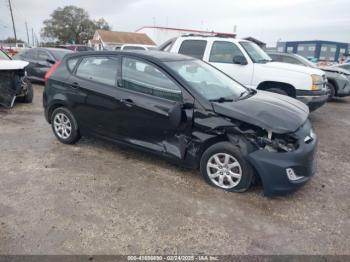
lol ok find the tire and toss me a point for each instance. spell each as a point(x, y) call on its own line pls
point(28, 97)
point(219, 176)
point(64, 126)
point(331, 91)
point(277, 91)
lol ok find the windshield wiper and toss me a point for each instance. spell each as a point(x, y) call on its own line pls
point(221, 100)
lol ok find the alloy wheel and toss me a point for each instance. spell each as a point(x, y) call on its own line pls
point(62, 126)
point(224, 170)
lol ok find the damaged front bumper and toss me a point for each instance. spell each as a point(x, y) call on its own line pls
point(282, 173)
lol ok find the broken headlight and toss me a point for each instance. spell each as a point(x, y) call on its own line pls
point(277, 143)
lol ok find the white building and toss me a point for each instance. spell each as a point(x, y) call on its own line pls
point(111, 40)
point(161, 34)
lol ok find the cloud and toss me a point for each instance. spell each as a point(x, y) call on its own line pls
point(268, 20)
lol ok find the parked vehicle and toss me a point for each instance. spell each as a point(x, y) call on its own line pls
point(77, 48)
point(250, 65)
point(13, 82)
point(338, 79)
point(187, 111)
point(137, 47)
point(344, 66)
point(40, 60)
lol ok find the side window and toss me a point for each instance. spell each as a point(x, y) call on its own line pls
point(71, 63)
point(99, 69)
point(194, 48)
point(146, 78)
point(43, 56)
point(290, 60)
point(224, 52)
point(30, 54)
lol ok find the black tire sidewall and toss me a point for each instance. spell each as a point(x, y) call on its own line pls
point(74, 136)
point(331, 89)
point(227, 147)
point(28, 98)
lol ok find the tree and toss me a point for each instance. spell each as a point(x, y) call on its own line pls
point(11, 40)
point(71, 24)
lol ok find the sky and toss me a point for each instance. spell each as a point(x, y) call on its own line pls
point(267, 20)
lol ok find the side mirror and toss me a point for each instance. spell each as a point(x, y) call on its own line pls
point(239, 60)
point(50, 61)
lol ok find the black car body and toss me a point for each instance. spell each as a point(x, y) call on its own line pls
point(338, 78)
point(14, 85)
point(111, 95)
point(41, 60)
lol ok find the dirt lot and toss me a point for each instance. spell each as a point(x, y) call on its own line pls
point(98, 198)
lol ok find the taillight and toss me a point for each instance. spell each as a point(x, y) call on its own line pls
point(51, 70)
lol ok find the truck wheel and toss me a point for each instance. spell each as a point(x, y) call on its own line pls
point(331, 91)
point(64, 126)
point(223, 165)
point(277, 91)
point(28, 97)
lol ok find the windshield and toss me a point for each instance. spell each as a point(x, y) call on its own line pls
point(255, 52)
point(207, 80)
point(306, 61)
point(59, 54)
point(3, 56)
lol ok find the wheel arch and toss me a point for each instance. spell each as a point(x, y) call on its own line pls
point(290, 89)
point(334, 83)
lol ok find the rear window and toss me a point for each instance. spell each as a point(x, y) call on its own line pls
point(59, 54)
point(194, 48)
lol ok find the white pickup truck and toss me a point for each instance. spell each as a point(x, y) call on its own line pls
point(247, 63)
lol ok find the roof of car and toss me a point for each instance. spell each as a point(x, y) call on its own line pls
point(149, 55)
point(52, 49)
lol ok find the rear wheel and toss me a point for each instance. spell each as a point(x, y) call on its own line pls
point(331, 91)
point(65, 126)
point(222, 165)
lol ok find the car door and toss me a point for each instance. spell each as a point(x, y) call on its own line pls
point(229, 58)
point(153, 116)
point(97, 104)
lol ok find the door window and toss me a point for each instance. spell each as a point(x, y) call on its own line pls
point(99, 69)
point(290, 60)
point(224, 52)
point(146, 78)
point(194, 48)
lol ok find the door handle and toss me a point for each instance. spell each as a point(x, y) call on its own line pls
point(127, 101)
point(75, 85)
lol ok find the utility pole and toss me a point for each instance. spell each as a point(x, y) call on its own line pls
point(13, 22)
point(32, 37)
point(27, 34)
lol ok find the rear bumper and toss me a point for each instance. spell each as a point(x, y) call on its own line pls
point(272, 167)
point(313, 99)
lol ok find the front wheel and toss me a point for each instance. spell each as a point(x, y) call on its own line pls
point(223, 165)
point(65, 126)
point(331, 91)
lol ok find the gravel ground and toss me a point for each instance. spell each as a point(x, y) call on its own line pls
point(98, 198)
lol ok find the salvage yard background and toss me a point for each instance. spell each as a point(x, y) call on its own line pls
point(98, 198)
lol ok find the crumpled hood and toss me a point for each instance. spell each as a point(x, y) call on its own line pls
point(336, 70)
point(278, 113)
point(12, 64)
point(295, 68)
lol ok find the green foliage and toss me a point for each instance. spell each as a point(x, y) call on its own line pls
point(11, 40)
point(71, 24)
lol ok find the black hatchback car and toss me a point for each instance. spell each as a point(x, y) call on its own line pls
point(187, 111)
point(40, 60)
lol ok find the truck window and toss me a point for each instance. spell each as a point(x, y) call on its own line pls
point(224, 52)
point(194, 48)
